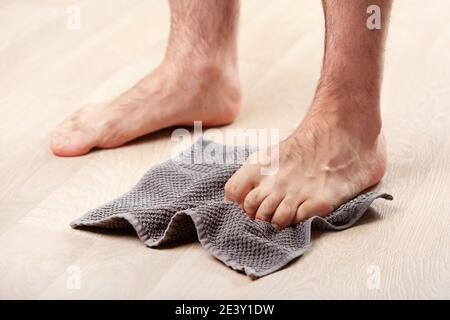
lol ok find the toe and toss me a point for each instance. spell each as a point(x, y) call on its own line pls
point(314, 207)
point(253, 200)
point(240, 184)
point(285, 213)
point(70, 143)
point(268, 207)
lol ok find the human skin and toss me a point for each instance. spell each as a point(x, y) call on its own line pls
point(336, 152)
point(196, 81)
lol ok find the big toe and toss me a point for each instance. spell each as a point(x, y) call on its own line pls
point(240, 184)
point(71, 143)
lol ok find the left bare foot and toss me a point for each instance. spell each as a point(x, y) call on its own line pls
point(166, 97)
point(330, 158)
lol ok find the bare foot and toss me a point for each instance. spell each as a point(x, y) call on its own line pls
point(329, 159)
point(168, 96)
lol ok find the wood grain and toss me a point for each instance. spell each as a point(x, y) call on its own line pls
point(47, 71)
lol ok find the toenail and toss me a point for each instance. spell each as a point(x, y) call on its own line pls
point(276, 226)
point(61, 140)
point(227, 201)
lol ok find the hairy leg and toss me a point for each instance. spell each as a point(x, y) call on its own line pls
point(338, 149)
point(197, 80)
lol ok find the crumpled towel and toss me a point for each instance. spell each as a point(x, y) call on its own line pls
point(183, 198)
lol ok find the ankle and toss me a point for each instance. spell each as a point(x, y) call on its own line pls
point(213, 71)
point(358, 114)
point(208, 83)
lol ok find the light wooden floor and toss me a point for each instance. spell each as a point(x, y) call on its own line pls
point(47, 71)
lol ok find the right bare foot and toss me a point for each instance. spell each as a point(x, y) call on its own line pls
point(169, 96)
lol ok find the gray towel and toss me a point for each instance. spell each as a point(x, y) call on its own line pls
point(183, 198)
